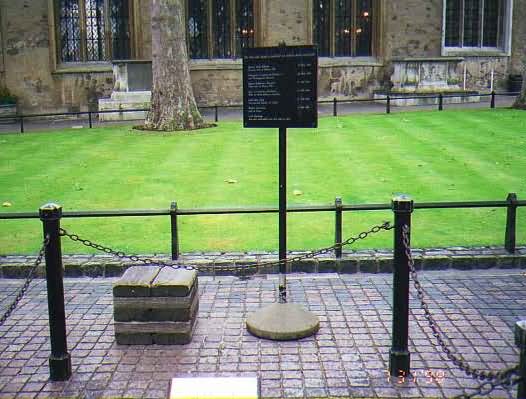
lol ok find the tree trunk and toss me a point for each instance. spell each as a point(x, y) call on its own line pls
point(520, 102)
point(173, 105)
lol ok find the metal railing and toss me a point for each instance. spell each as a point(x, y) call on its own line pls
point(174, 212)
point(403, 269)
point(21, 118)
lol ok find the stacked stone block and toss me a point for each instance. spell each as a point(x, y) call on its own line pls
point(154, 305)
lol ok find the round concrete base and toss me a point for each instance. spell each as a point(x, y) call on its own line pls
point(282, 322)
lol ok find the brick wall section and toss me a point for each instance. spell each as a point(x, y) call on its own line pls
point(363, 261)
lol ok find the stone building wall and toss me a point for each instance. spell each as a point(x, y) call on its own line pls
point(407, 28)
point(518, 45)
point(29, 71)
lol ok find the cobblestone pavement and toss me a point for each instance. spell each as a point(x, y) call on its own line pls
point(347, 358)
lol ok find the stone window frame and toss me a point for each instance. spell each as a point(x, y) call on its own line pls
point(377, 6)
point(59, 66)
point(235, 58)
point(503, 50)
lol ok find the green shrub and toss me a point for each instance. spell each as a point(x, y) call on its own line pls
point(6, 97)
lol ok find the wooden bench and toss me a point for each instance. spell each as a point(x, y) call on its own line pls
point(154, 305)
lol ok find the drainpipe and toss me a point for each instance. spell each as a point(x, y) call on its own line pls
point(465, 76)
point(491, 77)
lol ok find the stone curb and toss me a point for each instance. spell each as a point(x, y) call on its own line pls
point(363, 261)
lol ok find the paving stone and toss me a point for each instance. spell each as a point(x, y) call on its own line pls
point(385, 265)
point(93, 269)
point(304, 266)
point(508, 261)
point(463, 262)
point(436, 263)
point(347, 266)
point(328, 265)
point(368, 265)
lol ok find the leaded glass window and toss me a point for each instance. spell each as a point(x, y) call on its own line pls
point(322, 27)
point(120, 29)
point(69, 32)
point(219, 28)
point(244, 33)
point(475, 23)
point(344, 28)
point(93, 30)
point(198, 28)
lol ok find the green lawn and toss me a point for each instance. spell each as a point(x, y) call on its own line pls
point(433, 156)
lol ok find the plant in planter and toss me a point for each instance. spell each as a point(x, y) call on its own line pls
point(7, 102)
point(6, 97)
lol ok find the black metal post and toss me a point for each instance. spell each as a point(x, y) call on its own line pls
point(520, 341)
point(89, 119)
point(440, 102)
point(174, 230)
point(21, 124)
point(388, 105)
point(216, 113)
point(334, 107)
point(283, 213)
point(338, 227)
point(492, 104)
point(59, 360)
point(399, 356)
point(511, 223)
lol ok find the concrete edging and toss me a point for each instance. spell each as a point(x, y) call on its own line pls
point(363, 261)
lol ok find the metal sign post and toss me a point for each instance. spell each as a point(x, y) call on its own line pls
point(280, 90)
point(282, 253)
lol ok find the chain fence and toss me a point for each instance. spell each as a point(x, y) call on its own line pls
point(505, 378)
point(243, 269)
point(25, 286)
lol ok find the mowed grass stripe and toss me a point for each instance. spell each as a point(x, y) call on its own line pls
point(465, 155)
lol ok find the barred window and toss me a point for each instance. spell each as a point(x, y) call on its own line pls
point(93, 30)
point(476, 23)
point(219, 28)
point(344, 28)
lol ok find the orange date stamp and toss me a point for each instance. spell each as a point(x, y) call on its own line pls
point(428, 377)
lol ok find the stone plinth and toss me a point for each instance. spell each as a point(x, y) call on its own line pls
point(415, 81)
point(131, 90)
point(153, 305)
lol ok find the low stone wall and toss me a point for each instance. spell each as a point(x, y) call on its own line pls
point(364, 261)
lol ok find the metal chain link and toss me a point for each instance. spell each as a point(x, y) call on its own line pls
point(245, 268)
point(492, 379)
point(29, 278)
point(487, 387)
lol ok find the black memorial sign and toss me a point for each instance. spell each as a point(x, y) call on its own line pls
point(280, 86)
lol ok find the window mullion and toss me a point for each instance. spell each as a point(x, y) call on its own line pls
point(83, 33)
point(233, 28)
point(332, 25)
point(462, 16)
point(107, 31)
point(210, 20)
point(354, 26)
point(481, 23)
point(500, 20)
